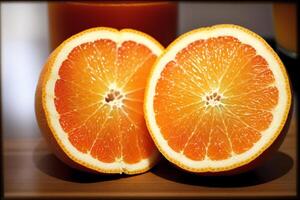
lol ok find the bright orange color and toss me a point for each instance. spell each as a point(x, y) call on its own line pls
point(285, 25)
point(99, 100)
point(78, 96)
point(209, 101)
point(195, 119)
point(138, 15)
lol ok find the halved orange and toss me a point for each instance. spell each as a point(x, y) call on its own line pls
point(89, 100)
point(216, 99)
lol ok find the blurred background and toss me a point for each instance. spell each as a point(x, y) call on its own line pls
point(25, 46)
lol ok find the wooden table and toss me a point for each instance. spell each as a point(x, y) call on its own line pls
point(31, 171)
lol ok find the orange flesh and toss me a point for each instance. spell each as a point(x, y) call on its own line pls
point(215, 99)
point(83, 99)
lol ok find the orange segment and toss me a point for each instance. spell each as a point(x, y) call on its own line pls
point(107, 145)
point(131, 58)
point(219, 147)
point(96, 86)
point(255, 72)
point(265, 98)
point(132, 122)
point(242, 137)
point(91, 63)
point(196, 146)
point(258, 119)
point(213, 96)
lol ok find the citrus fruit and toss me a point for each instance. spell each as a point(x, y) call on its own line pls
point(89, 100)
point(216, 99)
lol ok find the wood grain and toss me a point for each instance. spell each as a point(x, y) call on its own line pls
point(31, 171)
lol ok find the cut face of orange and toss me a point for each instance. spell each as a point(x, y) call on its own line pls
point(92, 91)
point(216, 99)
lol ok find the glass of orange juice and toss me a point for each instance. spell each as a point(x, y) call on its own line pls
point(285, 24)
point(158, 18)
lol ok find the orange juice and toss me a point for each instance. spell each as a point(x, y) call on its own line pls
point(158, 19)
point(285, 22)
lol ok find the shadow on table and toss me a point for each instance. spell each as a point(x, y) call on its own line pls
point(52, 166)
point(277, 166)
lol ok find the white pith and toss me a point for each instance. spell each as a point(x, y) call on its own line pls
point(268, 136)
point(61, 136)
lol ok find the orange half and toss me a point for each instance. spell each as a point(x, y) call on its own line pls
point(216, 99)
point(92, 96)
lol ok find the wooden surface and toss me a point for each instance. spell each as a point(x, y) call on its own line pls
point(31, 171)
